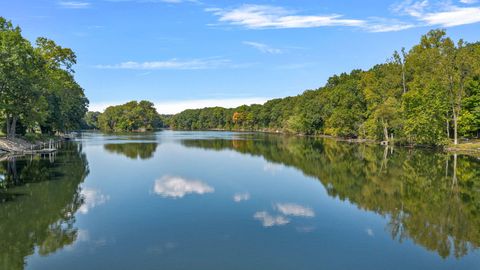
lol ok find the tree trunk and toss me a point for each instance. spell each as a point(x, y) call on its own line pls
point(455, 128)
point(11, 126)
point(448, 127)
point(385, 130)
point(8, 126)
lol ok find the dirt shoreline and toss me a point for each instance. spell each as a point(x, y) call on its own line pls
point(21, 146)
point(15, 145)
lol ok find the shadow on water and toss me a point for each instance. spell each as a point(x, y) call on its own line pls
point(429, 197)
point(41, 197)
point(133, 150)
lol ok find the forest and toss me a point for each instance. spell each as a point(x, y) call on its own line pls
point(38, 91)
point(428, 95)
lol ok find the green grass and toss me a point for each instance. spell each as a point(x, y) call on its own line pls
point(471, 147)
point(468, 145)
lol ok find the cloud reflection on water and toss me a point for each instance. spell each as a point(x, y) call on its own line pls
point(238, 197)
point(178, 187)
point(285, 210)
point(91, 199)
point(269, 220)
point(292, 209)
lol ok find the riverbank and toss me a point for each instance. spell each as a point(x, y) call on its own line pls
point(15, 145)
point(22, 146)
point(471, 148)
point(468, 148)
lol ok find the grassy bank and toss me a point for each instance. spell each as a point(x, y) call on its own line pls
point(471, 147)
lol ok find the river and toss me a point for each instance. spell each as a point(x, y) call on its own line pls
point(226, 200)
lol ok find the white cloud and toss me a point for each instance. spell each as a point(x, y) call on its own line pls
point(411, 7)
point(194, 64)
point(264, 16)
point(443, 14)
point(468, 2)
point(377, 25)
point(380, 28)
point(269, 220)
point(178, 187)
point(74, 5)
point(292, 209)
point(454, 16)
point(264, 48)
point(369, 232)
point(238, 197)
point(91, 199)
point(176, 106)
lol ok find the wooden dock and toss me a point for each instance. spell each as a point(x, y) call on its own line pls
point(43, 149)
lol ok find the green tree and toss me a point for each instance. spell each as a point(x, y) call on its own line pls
point(131, 116)
point(37, 87)
point(90, 121)
point(20, 93)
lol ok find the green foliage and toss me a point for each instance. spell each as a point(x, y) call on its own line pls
point(90, 121)
point(131, 116)
point(469, 121)
point(37, 87)
point(417, 97)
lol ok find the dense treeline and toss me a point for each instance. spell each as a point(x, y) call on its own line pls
point(38, 92)
point(131, 116)
point(428, 95)
point(90, 120)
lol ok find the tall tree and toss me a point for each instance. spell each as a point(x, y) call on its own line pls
point(37, 87)
point(20, 96)
point(400, 59)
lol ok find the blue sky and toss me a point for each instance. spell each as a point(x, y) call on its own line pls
point(188, 53)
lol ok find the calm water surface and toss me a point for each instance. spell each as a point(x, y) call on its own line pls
point(219, 200)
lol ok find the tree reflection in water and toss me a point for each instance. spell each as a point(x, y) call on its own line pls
point(40, 198)
point(430, 197)
point(133, 150)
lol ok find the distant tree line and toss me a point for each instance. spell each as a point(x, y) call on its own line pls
point(38, 92)
point(131, 116)
point(428, 95)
